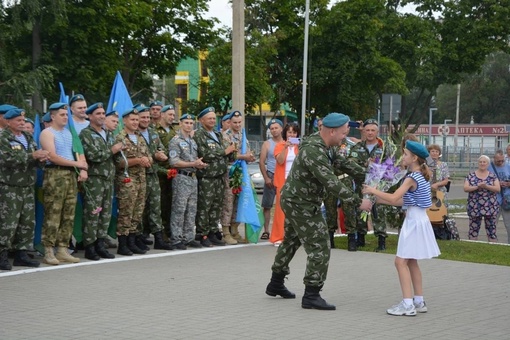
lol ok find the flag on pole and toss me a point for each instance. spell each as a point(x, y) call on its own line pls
point(249, 210)
point(39, 207)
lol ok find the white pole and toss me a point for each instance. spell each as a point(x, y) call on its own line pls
point(305, 69)
point(457, 118)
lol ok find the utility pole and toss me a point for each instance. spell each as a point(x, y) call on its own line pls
point(238, 55)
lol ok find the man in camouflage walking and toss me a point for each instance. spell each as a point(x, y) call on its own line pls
point(18, 162)
point(97, 198)
point(311, 177)
point(210, 179)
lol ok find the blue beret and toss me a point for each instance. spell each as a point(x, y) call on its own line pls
point(47, 117)
point(13, 113)
point(28, 120)
point(167, 107)
point(235, 114)
point(141, 108)
point(58, 106)
point(417, 148)
point(130, 111)
point(335, 119)
point(187, 116)
point(226, 117)
point(155, 103)
point(75, 98)
point(112, 113)
point(93, 108)
point(274, 121)
point(370, 121)
point(205, 111)
point(6, 107)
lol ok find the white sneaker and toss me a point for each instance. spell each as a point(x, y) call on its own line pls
point(421, 307)
point(402, 309)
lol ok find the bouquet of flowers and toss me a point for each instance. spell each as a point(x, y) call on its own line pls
point(235, 178)
point(171, 173)
point(382, 176)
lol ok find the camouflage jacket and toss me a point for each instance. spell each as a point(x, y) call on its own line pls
point(131, 151)
point(212, 152)
point(98, 152)
point(17, 166)
point(165, 136)
point(182, 149)
point(347, 167)
point(237, 138)
point(312, 176)
point(155, 145)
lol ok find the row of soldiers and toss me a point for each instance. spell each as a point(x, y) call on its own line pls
point(166, 180)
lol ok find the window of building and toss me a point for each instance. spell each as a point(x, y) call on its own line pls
point(203, 65)
point(182, 91)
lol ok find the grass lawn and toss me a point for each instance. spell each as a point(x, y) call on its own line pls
point(450, 250)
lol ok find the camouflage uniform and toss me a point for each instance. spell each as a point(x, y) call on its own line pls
point(301, 198)
point(211, 181)
point(99, 185)
point(130, 195)
point(152, 222)
point(185, 187)
point(165, 184)
point(17, 201)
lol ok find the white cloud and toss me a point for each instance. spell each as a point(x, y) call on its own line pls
point(222, 10)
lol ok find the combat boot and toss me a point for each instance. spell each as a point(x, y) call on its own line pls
point(133, 246)
point(140, 242)
point(63, 256)
point(4, 261)
point(159, 243)
point(21, 259)
point(351, 242)
point(277, 287)
point(90, 252)
point(361, 240)
point(49, 256)
point(313, 300)
point(123, 248)
point(332, 239)
point(102, 249)
point(146, 240)
point(227, 238)
point(215, 240)
point(235, 234)
point(110, 242)
point(381, 243)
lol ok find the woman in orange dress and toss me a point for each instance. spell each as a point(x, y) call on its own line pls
point(285, 153)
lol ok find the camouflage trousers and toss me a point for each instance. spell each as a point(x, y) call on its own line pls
point(353, 221)
point(184, 206)
point(100, 195)
point(152, 222)
point(131, 201)
point(331, 205)
point(17, 217)
point(211, 191)
point(165, 186)
point(229, 212)
point(387, 216)
point(312, 233)
point(60, 194)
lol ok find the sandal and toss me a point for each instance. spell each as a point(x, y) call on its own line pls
point(265, 236)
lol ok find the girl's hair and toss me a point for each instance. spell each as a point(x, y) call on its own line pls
point(294, 126)
point(424, 169)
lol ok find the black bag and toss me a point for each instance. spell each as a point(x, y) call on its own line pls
point(447, 186)
point(447, 230)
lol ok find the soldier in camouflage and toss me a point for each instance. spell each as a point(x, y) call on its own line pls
point(211, 185)
point(130, 183)
point(152, 213)
point(311, 177)
point(372, 148)
point(19, 159)
point(184, 157)
point(97, 199)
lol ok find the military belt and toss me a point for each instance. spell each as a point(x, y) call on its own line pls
point(59, 167)
point(186, 173)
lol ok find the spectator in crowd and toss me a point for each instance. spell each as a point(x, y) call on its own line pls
point(285, 154)
point(267, 165)
point(507, 155)
point(29, 126)
point(502, 171)
point(482, 187)
point(19, 159)
point(440, 173)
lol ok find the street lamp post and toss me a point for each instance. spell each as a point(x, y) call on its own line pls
point(430, 123)
point(446, 121)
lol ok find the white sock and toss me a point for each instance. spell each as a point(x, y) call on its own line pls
point(418, 299)
point(408, 302)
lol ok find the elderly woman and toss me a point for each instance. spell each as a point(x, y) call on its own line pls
point(482, 203)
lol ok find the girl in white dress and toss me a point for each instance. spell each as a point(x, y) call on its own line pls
point(416, 240)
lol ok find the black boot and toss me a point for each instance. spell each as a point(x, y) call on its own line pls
point(140, 242)
point(381, 244)
point(277, 287)
point(332, 239)
point(361, 240)
point(313, 300)
point(123, 248)
point(133, 246)
point(215, 240)
point(90, 252)
point(159, 243)
point(146, 240)
point(101, 249)
point(21, 259)
point(351, 242)
point(4, 261)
